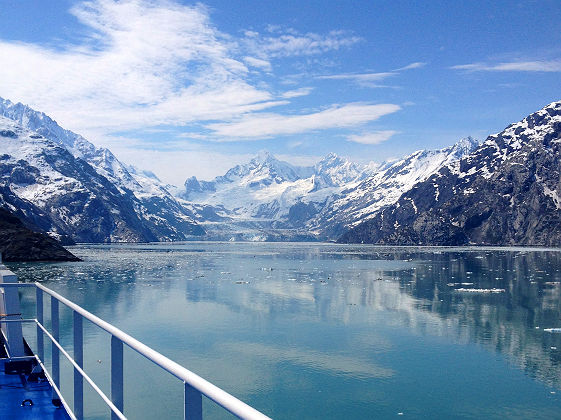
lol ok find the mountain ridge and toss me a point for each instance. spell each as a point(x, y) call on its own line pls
point(505, 193)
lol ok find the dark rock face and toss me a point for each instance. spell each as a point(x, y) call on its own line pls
point(18, 243)
point(161, 216)
point(508, 192)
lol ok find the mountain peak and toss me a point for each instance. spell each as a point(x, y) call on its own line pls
point(331, 156)
point(537, 126)
point(44, 125)
point(337, 171)
point(467, 141)
point(59, 173)
point(464, 146)
point(553, 106)
point(331, 159)
point(506, 192)
point(263, 156)
point(24, 114)
point(133, 170)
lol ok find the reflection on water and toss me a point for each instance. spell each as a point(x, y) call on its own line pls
point(326, 331)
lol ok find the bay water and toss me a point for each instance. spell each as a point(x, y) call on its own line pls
point(320, 331)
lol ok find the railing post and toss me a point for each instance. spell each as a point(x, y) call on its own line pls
point(40, 319)
point(116, 375)
point(55, 357)
point(193, 402)
point(10, 307)
point(79, 359)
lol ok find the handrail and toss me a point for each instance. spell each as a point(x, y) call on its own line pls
point(86, 377)
point(193, 383)
point(221, 397)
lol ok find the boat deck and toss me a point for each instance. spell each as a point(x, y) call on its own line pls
point(15, 389)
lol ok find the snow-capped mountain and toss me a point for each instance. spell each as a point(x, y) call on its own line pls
point(80, 190)
point(508, 191)
point(266, 188)
point(360, 202)
point(256, 200)
point(268, 197)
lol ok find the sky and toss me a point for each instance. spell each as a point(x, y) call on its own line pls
point(183, 88)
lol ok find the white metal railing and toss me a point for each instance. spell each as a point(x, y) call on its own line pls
point(194, 386)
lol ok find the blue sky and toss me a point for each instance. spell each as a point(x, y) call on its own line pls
point(185, 88)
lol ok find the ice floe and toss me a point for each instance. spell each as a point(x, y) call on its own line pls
point(493, 290)
point(552, 330)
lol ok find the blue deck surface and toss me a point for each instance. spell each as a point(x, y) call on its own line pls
point(14, 389)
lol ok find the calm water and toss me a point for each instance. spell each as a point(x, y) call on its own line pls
point(318, 331)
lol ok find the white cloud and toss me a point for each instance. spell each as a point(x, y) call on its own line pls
point(297, 92)
point(369, 79)
point(144, 64)
point(361, 77)
point(294, 144)
point(524, 66)
point(414, 65)
point(259, 63)
point(290, 43)
point(265, 125)
point(375, 137)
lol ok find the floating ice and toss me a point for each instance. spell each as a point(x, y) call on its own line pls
point(552, 330)
point(493, 290)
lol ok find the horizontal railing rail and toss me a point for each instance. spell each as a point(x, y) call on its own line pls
point(194, 385)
